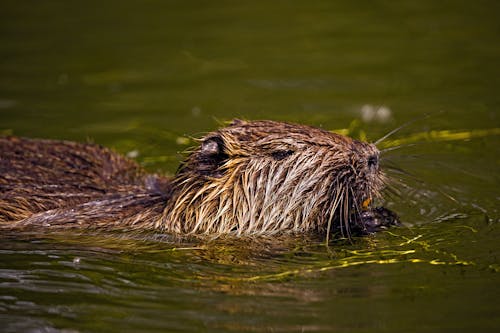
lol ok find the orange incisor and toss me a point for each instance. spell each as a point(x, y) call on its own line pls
point(367, 203)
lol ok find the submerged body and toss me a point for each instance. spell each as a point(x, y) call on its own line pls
point(249, 178)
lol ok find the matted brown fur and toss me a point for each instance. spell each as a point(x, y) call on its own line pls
point(249, 178)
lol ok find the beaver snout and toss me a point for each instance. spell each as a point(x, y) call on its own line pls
point(373, 161)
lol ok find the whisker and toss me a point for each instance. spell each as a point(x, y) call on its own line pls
point(461, 170)
point(392, 158)
point(397, 129)
point(332, 214)
point(392, 190)
point(356, 206)
point(386, 150)
point(398, 170)
point(398, 185)
point(341, 225)
point(390, 197)
point(394, 182)
point(346, 214)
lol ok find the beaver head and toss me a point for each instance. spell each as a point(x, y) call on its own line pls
point(265, 177)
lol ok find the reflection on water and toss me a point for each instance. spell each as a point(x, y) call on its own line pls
point(146, 78)
point(130, 285)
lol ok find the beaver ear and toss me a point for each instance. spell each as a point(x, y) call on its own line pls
point(212, 146)
point(211, 157)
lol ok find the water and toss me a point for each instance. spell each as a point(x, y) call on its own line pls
point(145, 77)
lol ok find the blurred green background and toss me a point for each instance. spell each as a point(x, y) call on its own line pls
point(134, 74)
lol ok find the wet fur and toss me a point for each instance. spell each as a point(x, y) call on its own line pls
point(248, 178)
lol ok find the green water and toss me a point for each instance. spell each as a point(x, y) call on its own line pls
point(143, 77)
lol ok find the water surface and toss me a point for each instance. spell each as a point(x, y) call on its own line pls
point(144, 78)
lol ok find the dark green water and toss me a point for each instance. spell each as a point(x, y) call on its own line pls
point(140, 76)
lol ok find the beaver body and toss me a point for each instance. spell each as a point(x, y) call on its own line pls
point(249, 178)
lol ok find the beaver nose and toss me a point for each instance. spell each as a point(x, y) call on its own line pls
point(373, 161)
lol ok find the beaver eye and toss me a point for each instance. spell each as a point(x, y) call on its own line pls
point(281, 154)
point(372, 161)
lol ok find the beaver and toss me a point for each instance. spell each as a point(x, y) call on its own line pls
point(248, 178)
